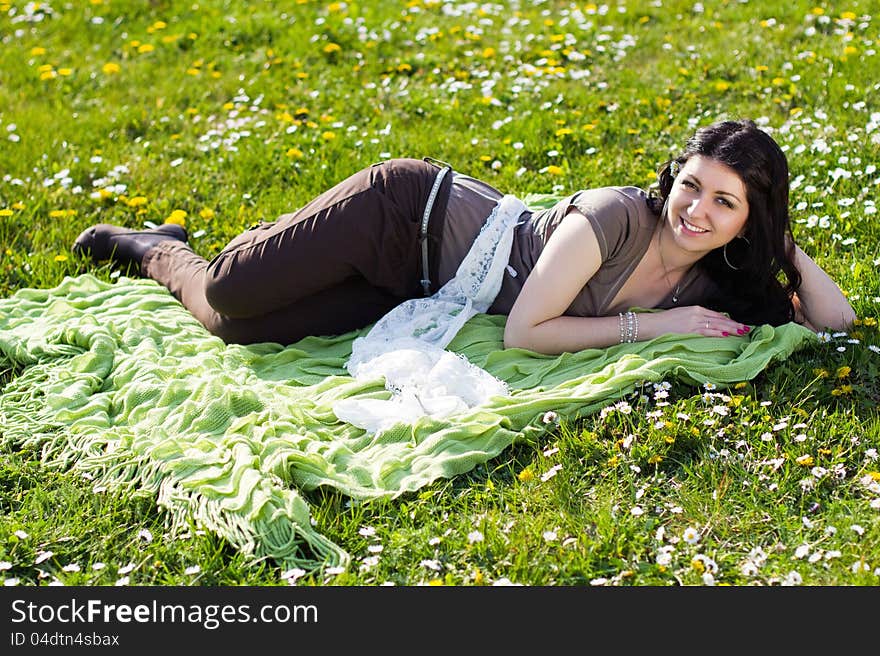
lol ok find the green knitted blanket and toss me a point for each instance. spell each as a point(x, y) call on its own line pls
point(120, 381)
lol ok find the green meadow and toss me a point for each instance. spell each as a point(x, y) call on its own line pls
point(219, 114)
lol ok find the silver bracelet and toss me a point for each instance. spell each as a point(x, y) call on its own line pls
point(628, 322)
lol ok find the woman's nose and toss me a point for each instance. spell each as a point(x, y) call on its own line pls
point(697, 207)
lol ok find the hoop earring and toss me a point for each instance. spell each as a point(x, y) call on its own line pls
point(724, 253)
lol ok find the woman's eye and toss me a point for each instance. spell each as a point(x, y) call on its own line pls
point(688, 184)
point(726, 203)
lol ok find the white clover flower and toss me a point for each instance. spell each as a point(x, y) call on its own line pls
point(145, 535)
point(475, 536)
point(192, 569)
point(792, 578)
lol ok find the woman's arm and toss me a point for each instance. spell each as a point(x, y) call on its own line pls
point(819, 303)
point(569, 259)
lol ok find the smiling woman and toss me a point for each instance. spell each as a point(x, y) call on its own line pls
point(706, 249)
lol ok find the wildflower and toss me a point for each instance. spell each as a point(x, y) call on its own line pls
point(292, 575)
point(145, 48)
point(431, 564)
point(178, 217)
point(549, 417)
point(72, 567)
point(526, 475)
point(331, 48)
point(10, 582)
point(792, 578)
point(98, 566)
point(5, 565)
point(123, 581)
point(192, 569)
point(549, 536)
point(554, 170)
point(690, 535)
point(842, 372)
point(328, 135)
point(550, 473)
point(475, 536)
point(42, 557)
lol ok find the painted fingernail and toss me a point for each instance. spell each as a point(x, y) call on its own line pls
point(725, 333)
point(747, 328)
point(739, 331)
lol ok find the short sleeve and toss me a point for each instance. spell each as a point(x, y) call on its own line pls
point(613, 213)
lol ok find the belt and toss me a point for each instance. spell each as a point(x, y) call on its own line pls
point(423, 231)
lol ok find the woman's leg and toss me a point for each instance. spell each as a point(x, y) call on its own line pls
point(366, 226)
point(335, 265)
point(350, 305)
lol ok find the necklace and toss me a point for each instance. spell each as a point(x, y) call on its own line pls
point(677, 288)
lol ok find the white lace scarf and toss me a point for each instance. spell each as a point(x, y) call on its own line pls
point(407, 345)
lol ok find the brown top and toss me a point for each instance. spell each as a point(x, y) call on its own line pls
point(620, 217)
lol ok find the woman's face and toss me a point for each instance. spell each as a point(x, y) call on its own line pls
point(707, 205)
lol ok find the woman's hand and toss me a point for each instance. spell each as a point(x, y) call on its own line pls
point(690, 320)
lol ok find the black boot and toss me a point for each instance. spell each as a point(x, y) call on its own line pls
point(124, 246)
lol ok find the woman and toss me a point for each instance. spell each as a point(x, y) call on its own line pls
point(705, 249)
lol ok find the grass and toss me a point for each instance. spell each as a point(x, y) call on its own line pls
point(126, 112)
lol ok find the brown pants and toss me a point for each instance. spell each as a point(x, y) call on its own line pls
point(337, 264)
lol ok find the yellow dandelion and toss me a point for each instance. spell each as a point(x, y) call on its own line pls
point(136, 201)
point(207, 213)
point(18, 205)
point(741, 385)
point(485, 158)
point(850, 50)
point(178, 217)
point(848, 15)
point(698, 565)
point(37, 51)
point(722, 85)
point(843, 372)
point(655, 459)
point(331, 48)
point(526, 475)
point(644, 19)
point(110, 68)
point(874, 475)
point(60, 214)
point(554, 170)
point(61, 258)
point(817, 11)
point(48, 75)
point(805, 460)
point(488, 52)
point(561, 132)
point(869, 321)
point(821, 373)
point(65, 71)
point(6, 212)
point(613, 461)
point(145, 48)
point(294, 153)
point(328, 135)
